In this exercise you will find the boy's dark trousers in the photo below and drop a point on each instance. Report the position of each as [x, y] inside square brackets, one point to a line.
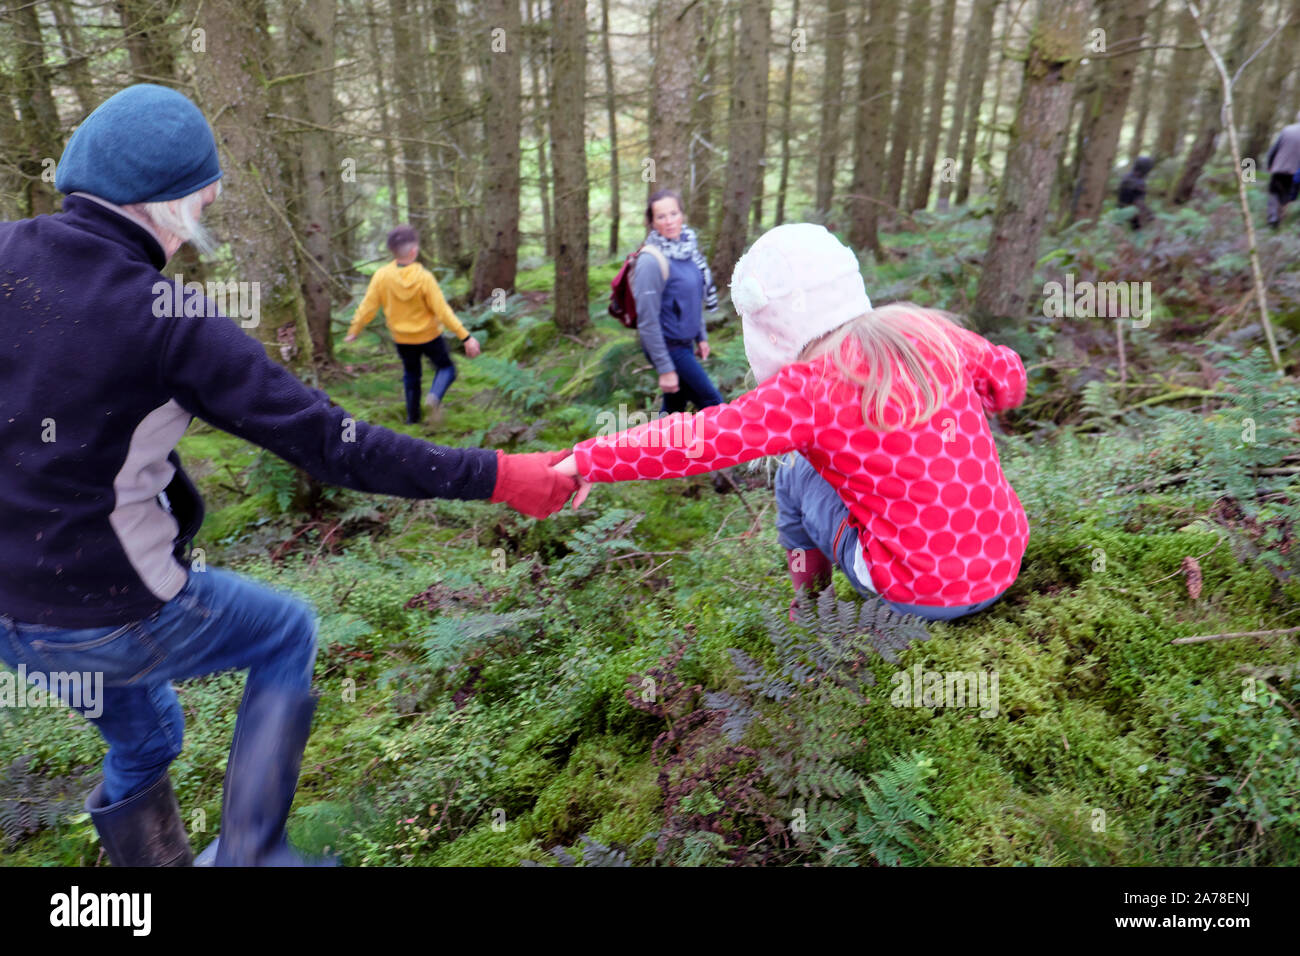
[1281, 191]
[411, 356]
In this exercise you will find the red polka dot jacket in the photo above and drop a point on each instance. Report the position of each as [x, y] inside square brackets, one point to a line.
[938, 521]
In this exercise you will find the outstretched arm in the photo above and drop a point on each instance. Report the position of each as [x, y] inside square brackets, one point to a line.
[366, 311]
[776, 417]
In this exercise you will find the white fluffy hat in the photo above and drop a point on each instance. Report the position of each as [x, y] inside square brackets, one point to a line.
[796, 283]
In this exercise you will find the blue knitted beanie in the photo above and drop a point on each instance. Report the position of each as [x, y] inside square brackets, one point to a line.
[144, 144]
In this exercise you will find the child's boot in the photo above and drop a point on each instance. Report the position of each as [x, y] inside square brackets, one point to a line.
[810, 571]
[412, 402]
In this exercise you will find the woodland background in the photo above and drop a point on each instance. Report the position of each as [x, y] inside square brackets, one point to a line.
[483, 673]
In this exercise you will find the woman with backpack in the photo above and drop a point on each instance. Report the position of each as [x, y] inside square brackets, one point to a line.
[672, 285]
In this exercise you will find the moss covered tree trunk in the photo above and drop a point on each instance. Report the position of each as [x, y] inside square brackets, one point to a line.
[1036, 142]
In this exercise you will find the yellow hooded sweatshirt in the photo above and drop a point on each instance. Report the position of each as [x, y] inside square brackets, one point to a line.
[413, 304]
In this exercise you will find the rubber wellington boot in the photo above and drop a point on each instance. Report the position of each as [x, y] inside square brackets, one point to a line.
[261, 776]
[810, 571]
[144, 829]
[412, 403]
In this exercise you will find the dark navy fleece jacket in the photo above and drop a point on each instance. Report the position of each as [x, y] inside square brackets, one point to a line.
[95, 392]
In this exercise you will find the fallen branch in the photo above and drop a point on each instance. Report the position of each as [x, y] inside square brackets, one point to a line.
[1202, 638]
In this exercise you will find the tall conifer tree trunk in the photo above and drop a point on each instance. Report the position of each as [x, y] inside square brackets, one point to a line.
[568, 150]
[311, 45]
[411, 113]
[671, 91]
[1180, 85]
[612, 122]
[449, 214]
[501, 45]
[787, 97]
[1104, 111]
[836, 33]
[1145, 84]
[40, 118]
[231, 77]
[745, 137]
[1036, 143]
[920, 197]
[984, 14]
[871, 126]
[1211, 120]
[961, 101]
[911, 99]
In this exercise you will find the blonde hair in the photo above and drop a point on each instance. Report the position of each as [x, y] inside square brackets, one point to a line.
[919, 341]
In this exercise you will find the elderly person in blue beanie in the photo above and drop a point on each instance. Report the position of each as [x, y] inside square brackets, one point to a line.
[97, 386]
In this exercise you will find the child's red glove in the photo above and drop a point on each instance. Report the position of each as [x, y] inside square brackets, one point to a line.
[530, 485]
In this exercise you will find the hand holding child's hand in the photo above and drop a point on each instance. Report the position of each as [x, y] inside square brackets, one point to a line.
[569, 468]
[531, 484]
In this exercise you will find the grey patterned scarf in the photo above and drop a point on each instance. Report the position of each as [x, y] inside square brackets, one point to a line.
[688, 247]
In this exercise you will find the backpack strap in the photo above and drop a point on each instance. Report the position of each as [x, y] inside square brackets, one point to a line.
[663, 260]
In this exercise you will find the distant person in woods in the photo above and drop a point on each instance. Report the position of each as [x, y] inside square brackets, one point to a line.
[99, 379]
[416, 313]
[896, 479]
[1133, 190]
[672, 286]
[1284, 171]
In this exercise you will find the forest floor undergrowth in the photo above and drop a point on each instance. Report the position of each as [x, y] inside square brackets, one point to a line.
[620, 684]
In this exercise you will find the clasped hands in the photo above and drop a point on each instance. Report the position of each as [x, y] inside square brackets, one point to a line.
[539, 483]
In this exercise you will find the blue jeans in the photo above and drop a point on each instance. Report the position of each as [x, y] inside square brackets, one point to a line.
[412, 368]
[693, 383]
[809, 513]
[219, 621]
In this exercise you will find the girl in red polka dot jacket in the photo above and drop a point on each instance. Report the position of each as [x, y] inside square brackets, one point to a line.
[895, 476]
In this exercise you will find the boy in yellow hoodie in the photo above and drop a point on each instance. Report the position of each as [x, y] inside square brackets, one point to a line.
[416, 313]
